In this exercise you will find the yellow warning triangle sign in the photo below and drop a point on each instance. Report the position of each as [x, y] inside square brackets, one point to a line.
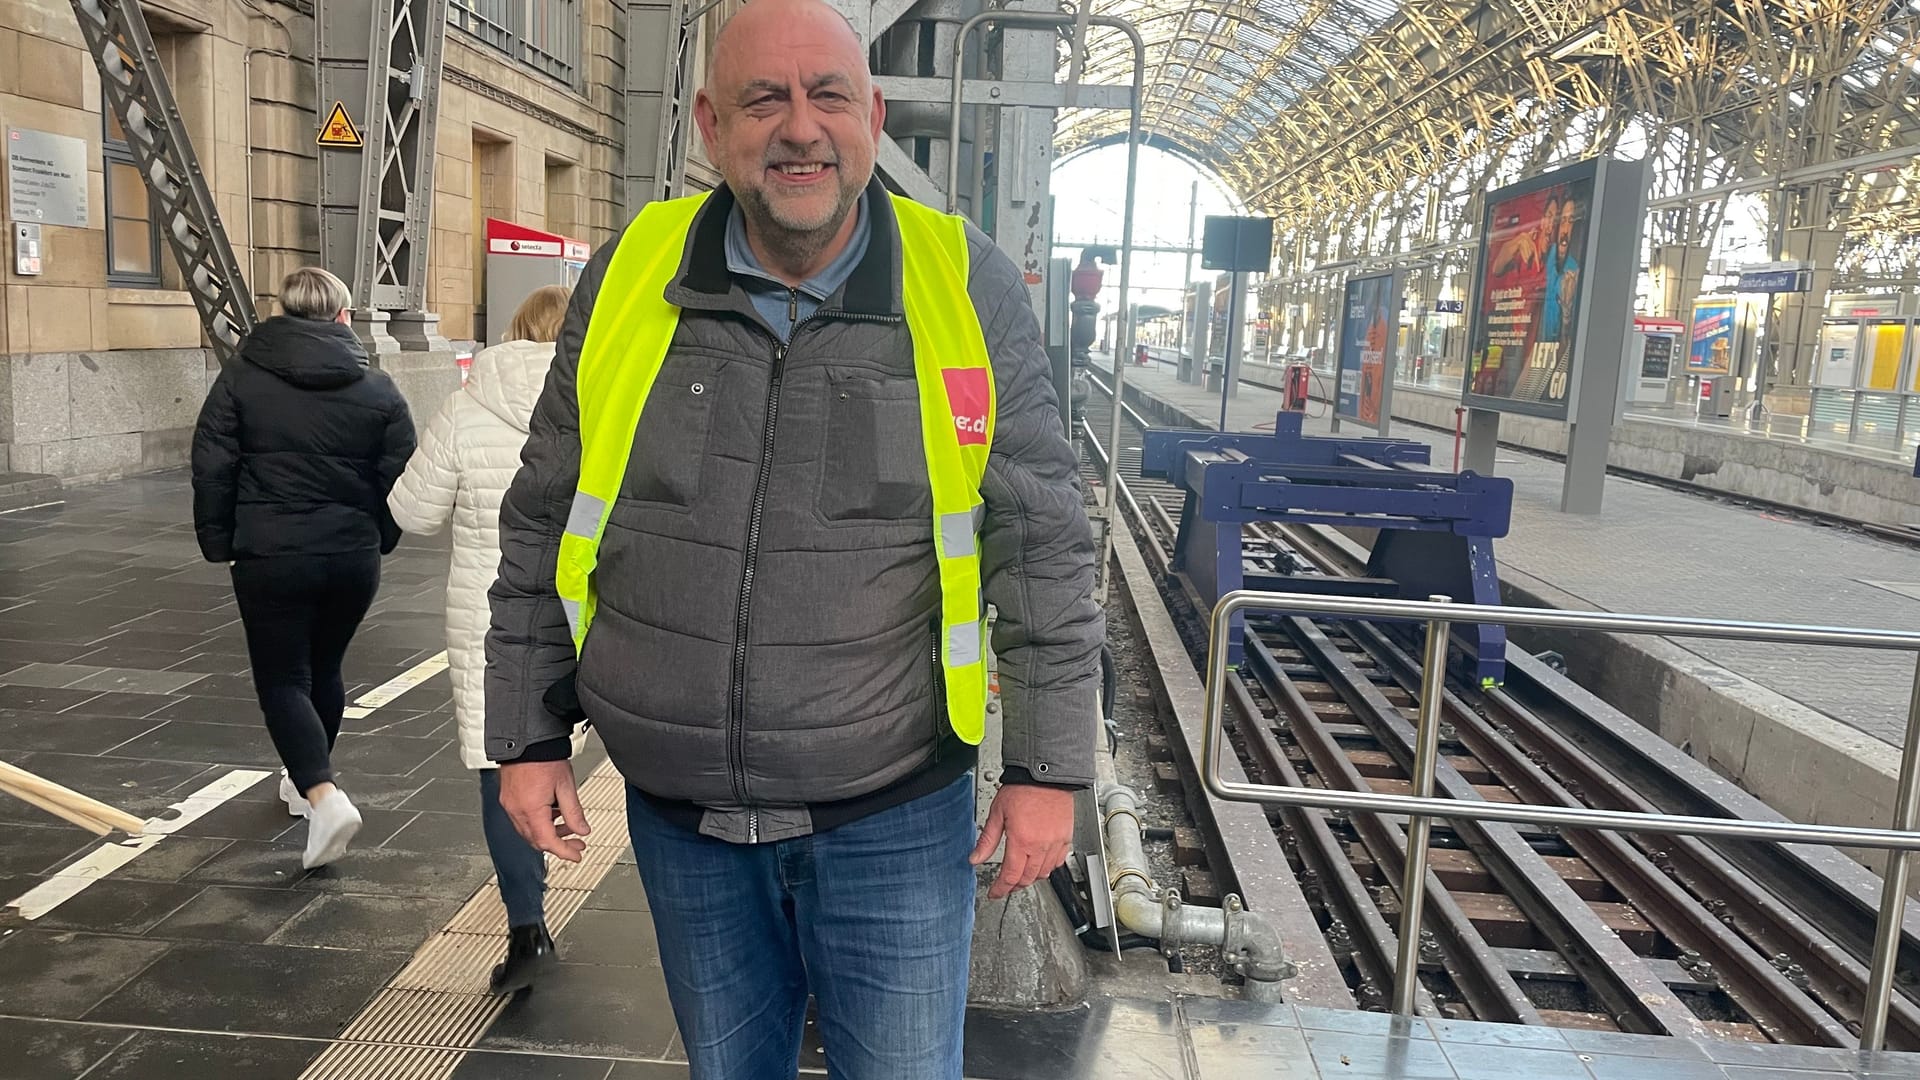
[338, 131]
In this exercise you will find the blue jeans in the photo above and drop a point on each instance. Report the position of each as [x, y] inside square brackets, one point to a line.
[875, 918]
[521, 866]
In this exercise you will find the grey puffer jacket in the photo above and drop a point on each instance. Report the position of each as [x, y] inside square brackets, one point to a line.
[758, 662]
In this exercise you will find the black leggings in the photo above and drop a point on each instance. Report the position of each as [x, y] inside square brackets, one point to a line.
[300, 611]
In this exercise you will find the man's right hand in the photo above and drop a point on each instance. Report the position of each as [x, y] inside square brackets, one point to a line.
[532, 792]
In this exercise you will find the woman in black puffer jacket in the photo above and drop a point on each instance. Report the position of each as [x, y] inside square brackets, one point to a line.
[297, 446]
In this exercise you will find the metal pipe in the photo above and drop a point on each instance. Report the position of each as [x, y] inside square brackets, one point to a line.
[1426, 756]
[1213, 736]
[1248, 943]
[1893, 888]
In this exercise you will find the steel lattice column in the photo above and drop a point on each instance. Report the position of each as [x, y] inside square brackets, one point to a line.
[382, 60]
[135, 88]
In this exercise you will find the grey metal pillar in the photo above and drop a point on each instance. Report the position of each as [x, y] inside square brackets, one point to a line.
[1023, 152]
[659, 101]
[381, 59]
[134, 86]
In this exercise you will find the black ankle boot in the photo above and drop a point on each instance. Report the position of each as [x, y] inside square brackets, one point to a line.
[530, 953]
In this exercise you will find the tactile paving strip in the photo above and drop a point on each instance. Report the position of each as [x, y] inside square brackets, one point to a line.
[420, 1026]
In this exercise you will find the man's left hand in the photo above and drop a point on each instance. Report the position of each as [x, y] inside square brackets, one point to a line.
[1037, 821]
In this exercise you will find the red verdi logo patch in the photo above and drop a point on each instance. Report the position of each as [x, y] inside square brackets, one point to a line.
[967, 395]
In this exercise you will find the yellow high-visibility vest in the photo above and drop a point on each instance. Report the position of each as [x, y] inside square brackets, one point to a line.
[626, 343]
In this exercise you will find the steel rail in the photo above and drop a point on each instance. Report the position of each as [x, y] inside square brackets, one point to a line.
[1901, 839]
[1485, 984]
[1763, 991]
[1637, 999]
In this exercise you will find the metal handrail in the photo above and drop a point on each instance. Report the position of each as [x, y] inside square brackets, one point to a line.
[1438, 614]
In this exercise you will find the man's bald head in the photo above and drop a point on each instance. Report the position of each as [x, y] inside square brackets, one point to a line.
[790, 115]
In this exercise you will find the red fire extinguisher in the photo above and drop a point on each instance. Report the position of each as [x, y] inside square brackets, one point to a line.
[1296, 394]
[1140, 355]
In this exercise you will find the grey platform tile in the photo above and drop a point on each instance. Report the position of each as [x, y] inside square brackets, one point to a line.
[54, 676]
[30, 850]
[42, 699]
[1773, 1056]
[1065, 1046]
[47, 1050]
[168, 1055]
[385, 754]
[445, 796]
[396, 923]
[244, 820]
[1355, 1022]
[1478, 1061]
[1234, 1010]
[123, 705]
[482, 1065]
[120, 906]
[170, 642]
[22, 652]
[1641, 1046]
[455, 834]
[236, 711]
[173, 859]
[61, 975]
[648, 1070]
[380, 872]
[1234, 1051]
[620, 890]
[623, 938]
[216, 744]
[1741, 1072]
[260, 989]
[254, 864]
[133, 681]
[592, 1011]
[197, 623]
[434, 725]
[1378, 1057]
[232, 913]
[1458, 1032]
[22, 732]
[377, 790]
[132, 656]
[1610, 1067]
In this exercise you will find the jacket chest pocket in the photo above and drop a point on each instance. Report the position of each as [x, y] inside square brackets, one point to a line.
[873, 461]
[670, 445]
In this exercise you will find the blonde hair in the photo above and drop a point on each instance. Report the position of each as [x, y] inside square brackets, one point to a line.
[540, 315]
[313, 293]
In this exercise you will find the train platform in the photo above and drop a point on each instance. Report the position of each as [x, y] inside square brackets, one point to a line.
[209, 952]
[1807, 731]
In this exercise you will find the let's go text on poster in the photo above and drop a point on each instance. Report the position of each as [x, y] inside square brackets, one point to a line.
[1368, 327]
[1525, 327]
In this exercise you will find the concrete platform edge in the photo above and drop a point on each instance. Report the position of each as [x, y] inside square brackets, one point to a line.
[1801, 762]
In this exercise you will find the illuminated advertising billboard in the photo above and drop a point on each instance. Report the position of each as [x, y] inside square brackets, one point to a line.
[1524, 325]
[1369, 329]
[1711, 351]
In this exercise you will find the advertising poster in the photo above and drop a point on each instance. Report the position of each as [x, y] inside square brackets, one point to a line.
[1711, 352]
[1369, 324]
[1524, 327]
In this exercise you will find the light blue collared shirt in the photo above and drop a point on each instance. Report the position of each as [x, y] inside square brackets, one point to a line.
[784, 306]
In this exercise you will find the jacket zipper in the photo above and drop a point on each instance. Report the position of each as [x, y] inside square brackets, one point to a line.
[737, 695]
[939, 694]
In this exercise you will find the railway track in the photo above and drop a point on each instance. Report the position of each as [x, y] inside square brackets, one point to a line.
[1524, 924]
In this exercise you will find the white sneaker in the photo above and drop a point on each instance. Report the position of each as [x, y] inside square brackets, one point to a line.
[297, 805]
[330, 827]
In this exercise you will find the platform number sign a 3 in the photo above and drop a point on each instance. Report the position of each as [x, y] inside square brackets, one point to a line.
[339, 132]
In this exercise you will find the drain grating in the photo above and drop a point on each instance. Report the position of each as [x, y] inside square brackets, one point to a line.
[420, 1026]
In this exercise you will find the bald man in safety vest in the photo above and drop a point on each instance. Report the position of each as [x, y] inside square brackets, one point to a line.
[798, 435]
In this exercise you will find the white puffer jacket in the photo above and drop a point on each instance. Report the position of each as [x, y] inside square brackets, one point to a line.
[461, 470]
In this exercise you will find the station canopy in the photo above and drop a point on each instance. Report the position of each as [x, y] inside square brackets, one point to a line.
[1308, 106]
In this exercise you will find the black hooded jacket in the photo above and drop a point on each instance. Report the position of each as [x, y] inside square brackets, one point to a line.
[297, 446]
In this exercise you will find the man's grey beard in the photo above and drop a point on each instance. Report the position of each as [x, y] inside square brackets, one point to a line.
[795, 247]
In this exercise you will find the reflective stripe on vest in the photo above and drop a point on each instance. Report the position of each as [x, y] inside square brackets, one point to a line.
[626, 343]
